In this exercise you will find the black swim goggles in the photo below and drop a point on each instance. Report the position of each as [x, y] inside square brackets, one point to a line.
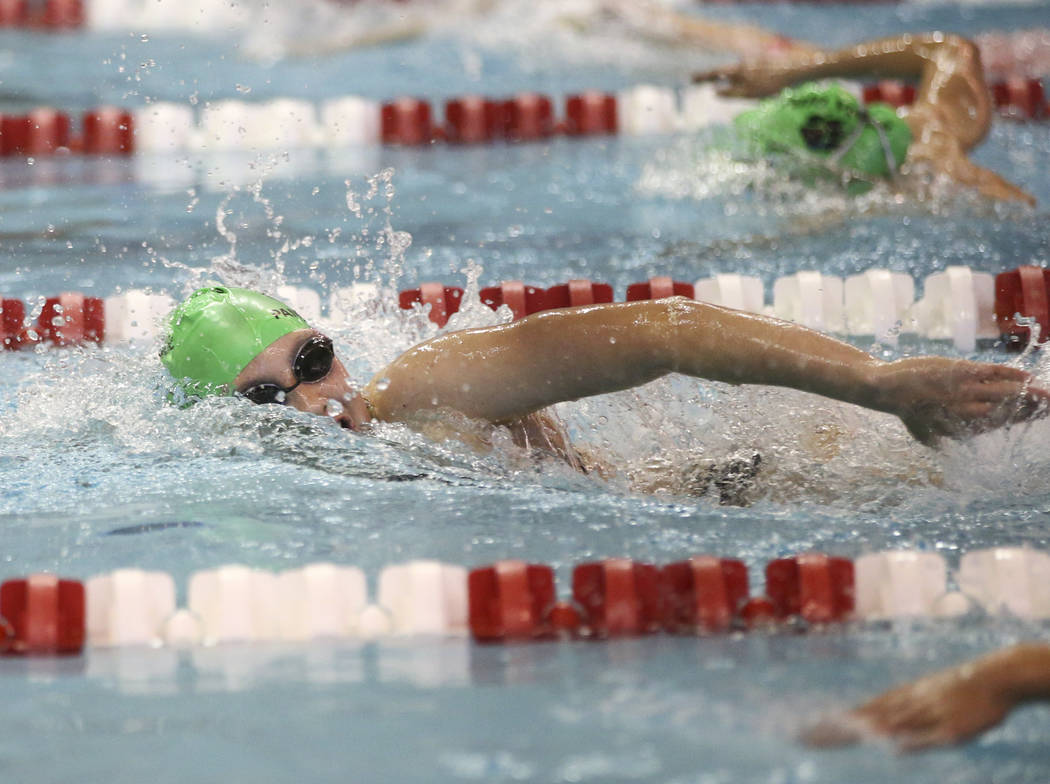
[312, 363]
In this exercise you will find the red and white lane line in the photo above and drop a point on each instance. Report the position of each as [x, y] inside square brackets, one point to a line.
[513, 600]
[288, 123]
[958, 305]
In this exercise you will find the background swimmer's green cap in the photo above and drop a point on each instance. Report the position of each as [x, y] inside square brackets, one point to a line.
[822, 119]
[217, 331]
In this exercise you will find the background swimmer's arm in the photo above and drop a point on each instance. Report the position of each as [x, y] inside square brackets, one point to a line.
[943, 153]
[952, 111]
[950, 706]
[655, 20]
[503, 373]
[948, 67]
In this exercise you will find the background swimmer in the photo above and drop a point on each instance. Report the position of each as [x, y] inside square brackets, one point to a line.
[228, 340]
[952, 110]
[336, 27]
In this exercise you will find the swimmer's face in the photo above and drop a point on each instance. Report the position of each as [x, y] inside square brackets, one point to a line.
[314, 391]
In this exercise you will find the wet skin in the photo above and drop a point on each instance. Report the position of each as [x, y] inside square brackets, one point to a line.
[950, 706]
[507, 374]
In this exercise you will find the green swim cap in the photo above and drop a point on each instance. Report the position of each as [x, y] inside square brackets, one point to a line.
[812, 122]
[217, 331]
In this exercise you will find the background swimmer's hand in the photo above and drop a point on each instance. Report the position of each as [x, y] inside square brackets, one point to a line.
[755, 79]
[937, 396]
[951, 706]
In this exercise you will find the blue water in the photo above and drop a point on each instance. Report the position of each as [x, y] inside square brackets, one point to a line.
[88, 445]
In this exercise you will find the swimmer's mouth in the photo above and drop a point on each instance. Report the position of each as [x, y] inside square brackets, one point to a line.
[344, 422]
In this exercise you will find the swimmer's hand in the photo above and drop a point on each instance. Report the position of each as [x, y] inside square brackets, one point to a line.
[937, 397]
[748, 79]
[947, 707]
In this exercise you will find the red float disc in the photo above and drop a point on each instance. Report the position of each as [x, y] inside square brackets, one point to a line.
[406, 121]
[108, 131]
[45, 613]
[659, 288]
[1022, 291]
[618, 596]
[13, 13]
[471, 120]
[590, 113]
[814, 587]
[578, 292]
[12, 322]
[63, 13]
[527, 116]
[47, 132]
[521, 299]
[703, 593]
[510, 600]
[14, 134]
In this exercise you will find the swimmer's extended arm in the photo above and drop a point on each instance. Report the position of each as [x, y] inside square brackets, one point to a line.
[952, 111]
[505, 372]
[950, 706]
[948, 68]
[656, 20]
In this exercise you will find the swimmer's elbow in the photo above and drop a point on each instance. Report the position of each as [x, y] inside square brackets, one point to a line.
[963, 49]
[962, 45]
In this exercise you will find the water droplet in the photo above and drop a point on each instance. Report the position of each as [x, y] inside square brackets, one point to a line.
[243, 89]
[383, 384]
[612, 340]
[333, 407]
[281, 396]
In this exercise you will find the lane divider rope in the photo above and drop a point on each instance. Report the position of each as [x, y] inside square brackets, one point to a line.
[960, 305]
[513, 600]
[287, 123]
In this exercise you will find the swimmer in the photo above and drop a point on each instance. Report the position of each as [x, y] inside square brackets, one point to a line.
[951, 114]
[370, 25]
[952, 706]
[230, 341]
[659, 22]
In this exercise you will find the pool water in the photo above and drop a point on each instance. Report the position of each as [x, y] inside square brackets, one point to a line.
[98, 472]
